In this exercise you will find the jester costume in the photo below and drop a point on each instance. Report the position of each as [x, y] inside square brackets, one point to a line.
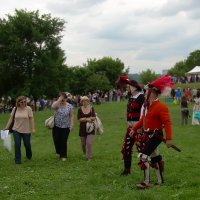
[135, 102]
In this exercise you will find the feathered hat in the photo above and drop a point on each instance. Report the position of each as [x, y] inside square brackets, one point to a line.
[162, 85]
[123, 80]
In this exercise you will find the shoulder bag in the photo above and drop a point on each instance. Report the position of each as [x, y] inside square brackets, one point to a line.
[49, 123]
[90, 126]
[10, 128]
[98, 126]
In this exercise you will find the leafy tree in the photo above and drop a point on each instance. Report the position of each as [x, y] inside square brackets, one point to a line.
[182, 67]
[78, 76]
[179, 69]
[108, 67]
[192, 60]
[83, 81]
[31, 61]
[98, 82]
[147, 76]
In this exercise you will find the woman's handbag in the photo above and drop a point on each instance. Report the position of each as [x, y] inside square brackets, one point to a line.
[7, 142]
[10, 128]
[98, 126]
[49, 123]
[90, 126]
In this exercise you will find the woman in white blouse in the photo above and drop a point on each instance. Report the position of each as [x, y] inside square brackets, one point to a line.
[64, 121]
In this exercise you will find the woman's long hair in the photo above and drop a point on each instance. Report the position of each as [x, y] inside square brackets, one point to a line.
[20, 98]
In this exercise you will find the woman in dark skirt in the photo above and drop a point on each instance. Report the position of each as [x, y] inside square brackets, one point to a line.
[86, 114]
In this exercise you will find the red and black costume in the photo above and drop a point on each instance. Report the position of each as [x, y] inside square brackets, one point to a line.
[133, 115]
[135, 102]
[155, 118]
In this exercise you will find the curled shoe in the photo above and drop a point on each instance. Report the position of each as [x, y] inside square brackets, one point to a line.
[142, 185]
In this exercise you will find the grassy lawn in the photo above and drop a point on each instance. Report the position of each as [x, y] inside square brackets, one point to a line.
[46, 177]
[188, 85]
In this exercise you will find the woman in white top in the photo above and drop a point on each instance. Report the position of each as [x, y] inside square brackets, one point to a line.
[64, 122]
[23, 121]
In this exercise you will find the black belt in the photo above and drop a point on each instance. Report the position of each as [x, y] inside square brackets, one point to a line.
[150, 132]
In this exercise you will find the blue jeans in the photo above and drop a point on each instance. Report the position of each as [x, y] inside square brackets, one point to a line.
[27, 144]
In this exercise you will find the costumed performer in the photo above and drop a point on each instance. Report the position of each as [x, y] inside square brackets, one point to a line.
[155, 117]
[135, 102]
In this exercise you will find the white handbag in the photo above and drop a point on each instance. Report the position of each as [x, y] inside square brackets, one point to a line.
[49, 123]
[98, 126]
[7, 143]
[90, 126]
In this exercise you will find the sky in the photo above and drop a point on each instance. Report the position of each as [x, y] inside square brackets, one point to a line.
[143, 34]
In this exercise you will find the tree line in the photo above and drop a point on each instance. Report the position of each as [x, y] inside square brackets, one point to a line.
[182, 67]
[32, 62]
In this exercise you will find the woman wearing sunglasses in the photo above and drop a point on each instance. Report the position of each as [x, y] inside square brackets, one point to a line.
[23, 121]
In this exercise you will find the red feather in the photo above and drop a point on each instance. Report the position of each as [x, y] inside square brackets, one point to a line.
[121, 81]
[163, 83]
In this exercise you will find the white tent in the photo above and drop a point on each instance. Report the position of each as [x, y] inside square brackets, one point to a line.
[195, 70]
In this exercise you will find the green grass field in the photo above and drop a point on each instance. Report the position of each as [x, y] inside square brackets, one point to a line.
[46, 177]
[188, 85]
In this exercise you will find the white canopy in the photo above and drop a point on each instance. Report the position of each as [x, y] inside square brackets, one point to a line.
[195, 70]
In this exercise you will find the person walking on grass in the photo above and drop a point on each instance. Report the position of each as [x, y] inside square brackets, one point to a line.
[135, 102]
[85, 114]
[184, 111]
[64, 122]
[178, 95]
[23, 127]
[196, 109]
[154, 118]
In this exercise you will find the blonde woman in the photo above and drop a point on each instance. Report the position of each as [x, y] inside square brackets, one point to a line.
[23, 121]
[86, 114]
[64, 122]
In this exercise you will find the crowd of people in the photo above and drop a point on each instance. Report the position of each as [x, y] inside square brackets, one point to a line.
[147, 121]
[184, 97]
[41, 104]
[189, 93]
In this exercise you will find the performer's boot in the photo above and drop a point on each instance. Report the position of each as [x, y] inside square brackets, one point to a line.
[127, 168]
[127, 152]
[158, 164]
[145, 166]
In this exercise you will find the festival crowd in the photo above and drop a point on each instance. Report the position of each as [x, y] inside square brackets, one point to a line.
[148, 122]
